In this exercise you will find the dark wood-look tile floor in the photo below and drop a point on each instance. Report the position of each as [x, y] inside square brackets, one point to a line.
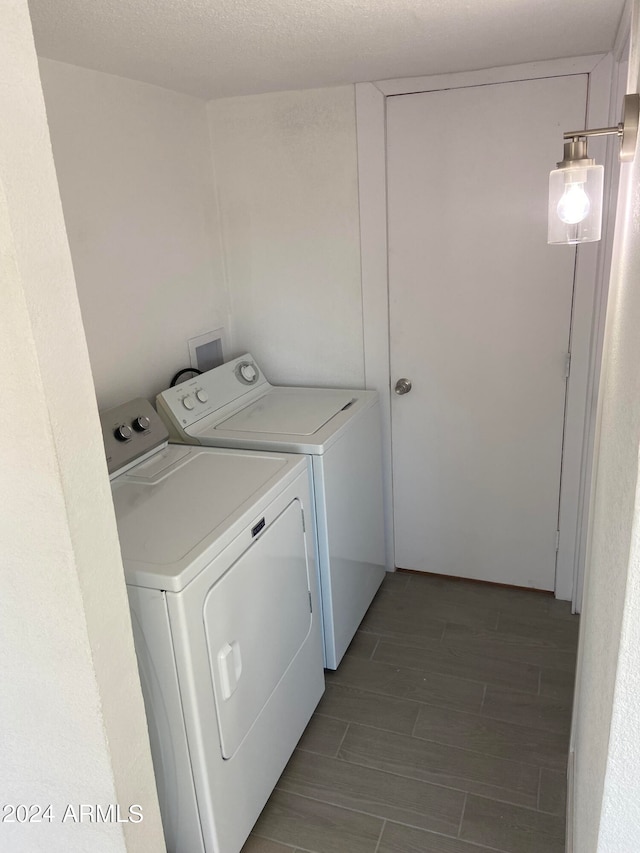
[444, 730]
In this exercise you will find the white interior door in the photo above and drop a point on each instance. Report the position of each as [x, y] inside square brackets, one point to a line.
[480, 315]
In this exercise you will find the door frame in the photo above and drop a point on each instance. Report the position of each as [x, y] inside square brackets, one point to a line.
[591, 279]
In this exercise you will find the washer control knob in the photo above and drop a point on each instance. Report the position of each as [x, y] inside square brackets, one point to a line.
[141, 423]
[202, 395]
[188, 403]
[123, 432]
[248, 372]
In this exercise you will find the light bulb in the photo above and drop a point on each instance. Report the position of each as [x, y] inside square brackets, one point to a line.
[574, 206]
[575, 203]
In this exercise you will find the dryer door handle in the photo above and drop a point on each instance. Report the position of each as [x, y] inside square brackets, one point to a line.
[229, 668]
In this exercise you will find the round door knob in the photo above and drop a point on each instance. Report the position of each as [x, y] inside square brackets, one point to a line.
[403, 386]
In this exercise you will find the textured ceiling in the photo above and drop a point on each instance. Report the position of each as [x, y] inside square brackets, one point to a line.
[218, 48]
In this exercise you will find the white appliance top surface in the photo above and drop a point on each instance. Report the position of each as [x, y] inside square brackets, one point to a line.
[225, 408]
[299, 411]
[179, 502]
[289, 420]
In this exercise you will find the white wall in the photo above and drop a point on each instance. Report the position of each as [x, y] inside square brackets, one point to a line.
[134, 169]
[72, 725]
[286, 176]
[606, 733]
[152, 239]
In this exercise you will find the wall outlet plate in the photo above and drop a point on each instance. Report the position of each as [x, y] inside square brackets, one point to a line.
[207, 351]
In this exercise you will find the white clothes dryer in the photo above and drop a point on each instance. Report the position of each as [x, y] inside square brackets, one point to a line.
[235, 406]
[225, 607]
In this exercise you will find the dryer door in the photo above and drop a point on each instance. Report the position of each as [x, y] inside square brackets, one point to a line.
[256, 617]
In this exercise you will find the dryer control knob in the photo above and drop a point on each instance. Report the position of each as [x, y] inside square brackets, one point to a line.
[141, 423]
[123, 432]
[202, 395]
[188, 403]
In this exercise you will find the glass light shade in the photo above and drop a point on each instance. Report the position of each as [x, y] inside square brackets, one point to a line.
[575, 203]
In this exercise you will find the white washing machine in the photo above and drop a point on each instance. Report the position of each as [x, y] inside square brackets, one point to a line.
[235, 406]
[225, 607]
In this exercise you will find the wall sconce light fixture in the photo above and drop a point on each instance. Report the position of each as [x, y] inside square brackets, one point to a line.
[575, 187]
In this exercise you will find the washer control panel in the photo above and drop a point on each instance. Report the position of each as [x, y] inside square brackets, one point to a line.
[130, 431]
[210, 392]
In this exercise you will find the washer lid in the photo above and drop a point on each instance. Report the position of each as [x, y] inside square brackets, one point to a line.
[299, 411]
[183, 499]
